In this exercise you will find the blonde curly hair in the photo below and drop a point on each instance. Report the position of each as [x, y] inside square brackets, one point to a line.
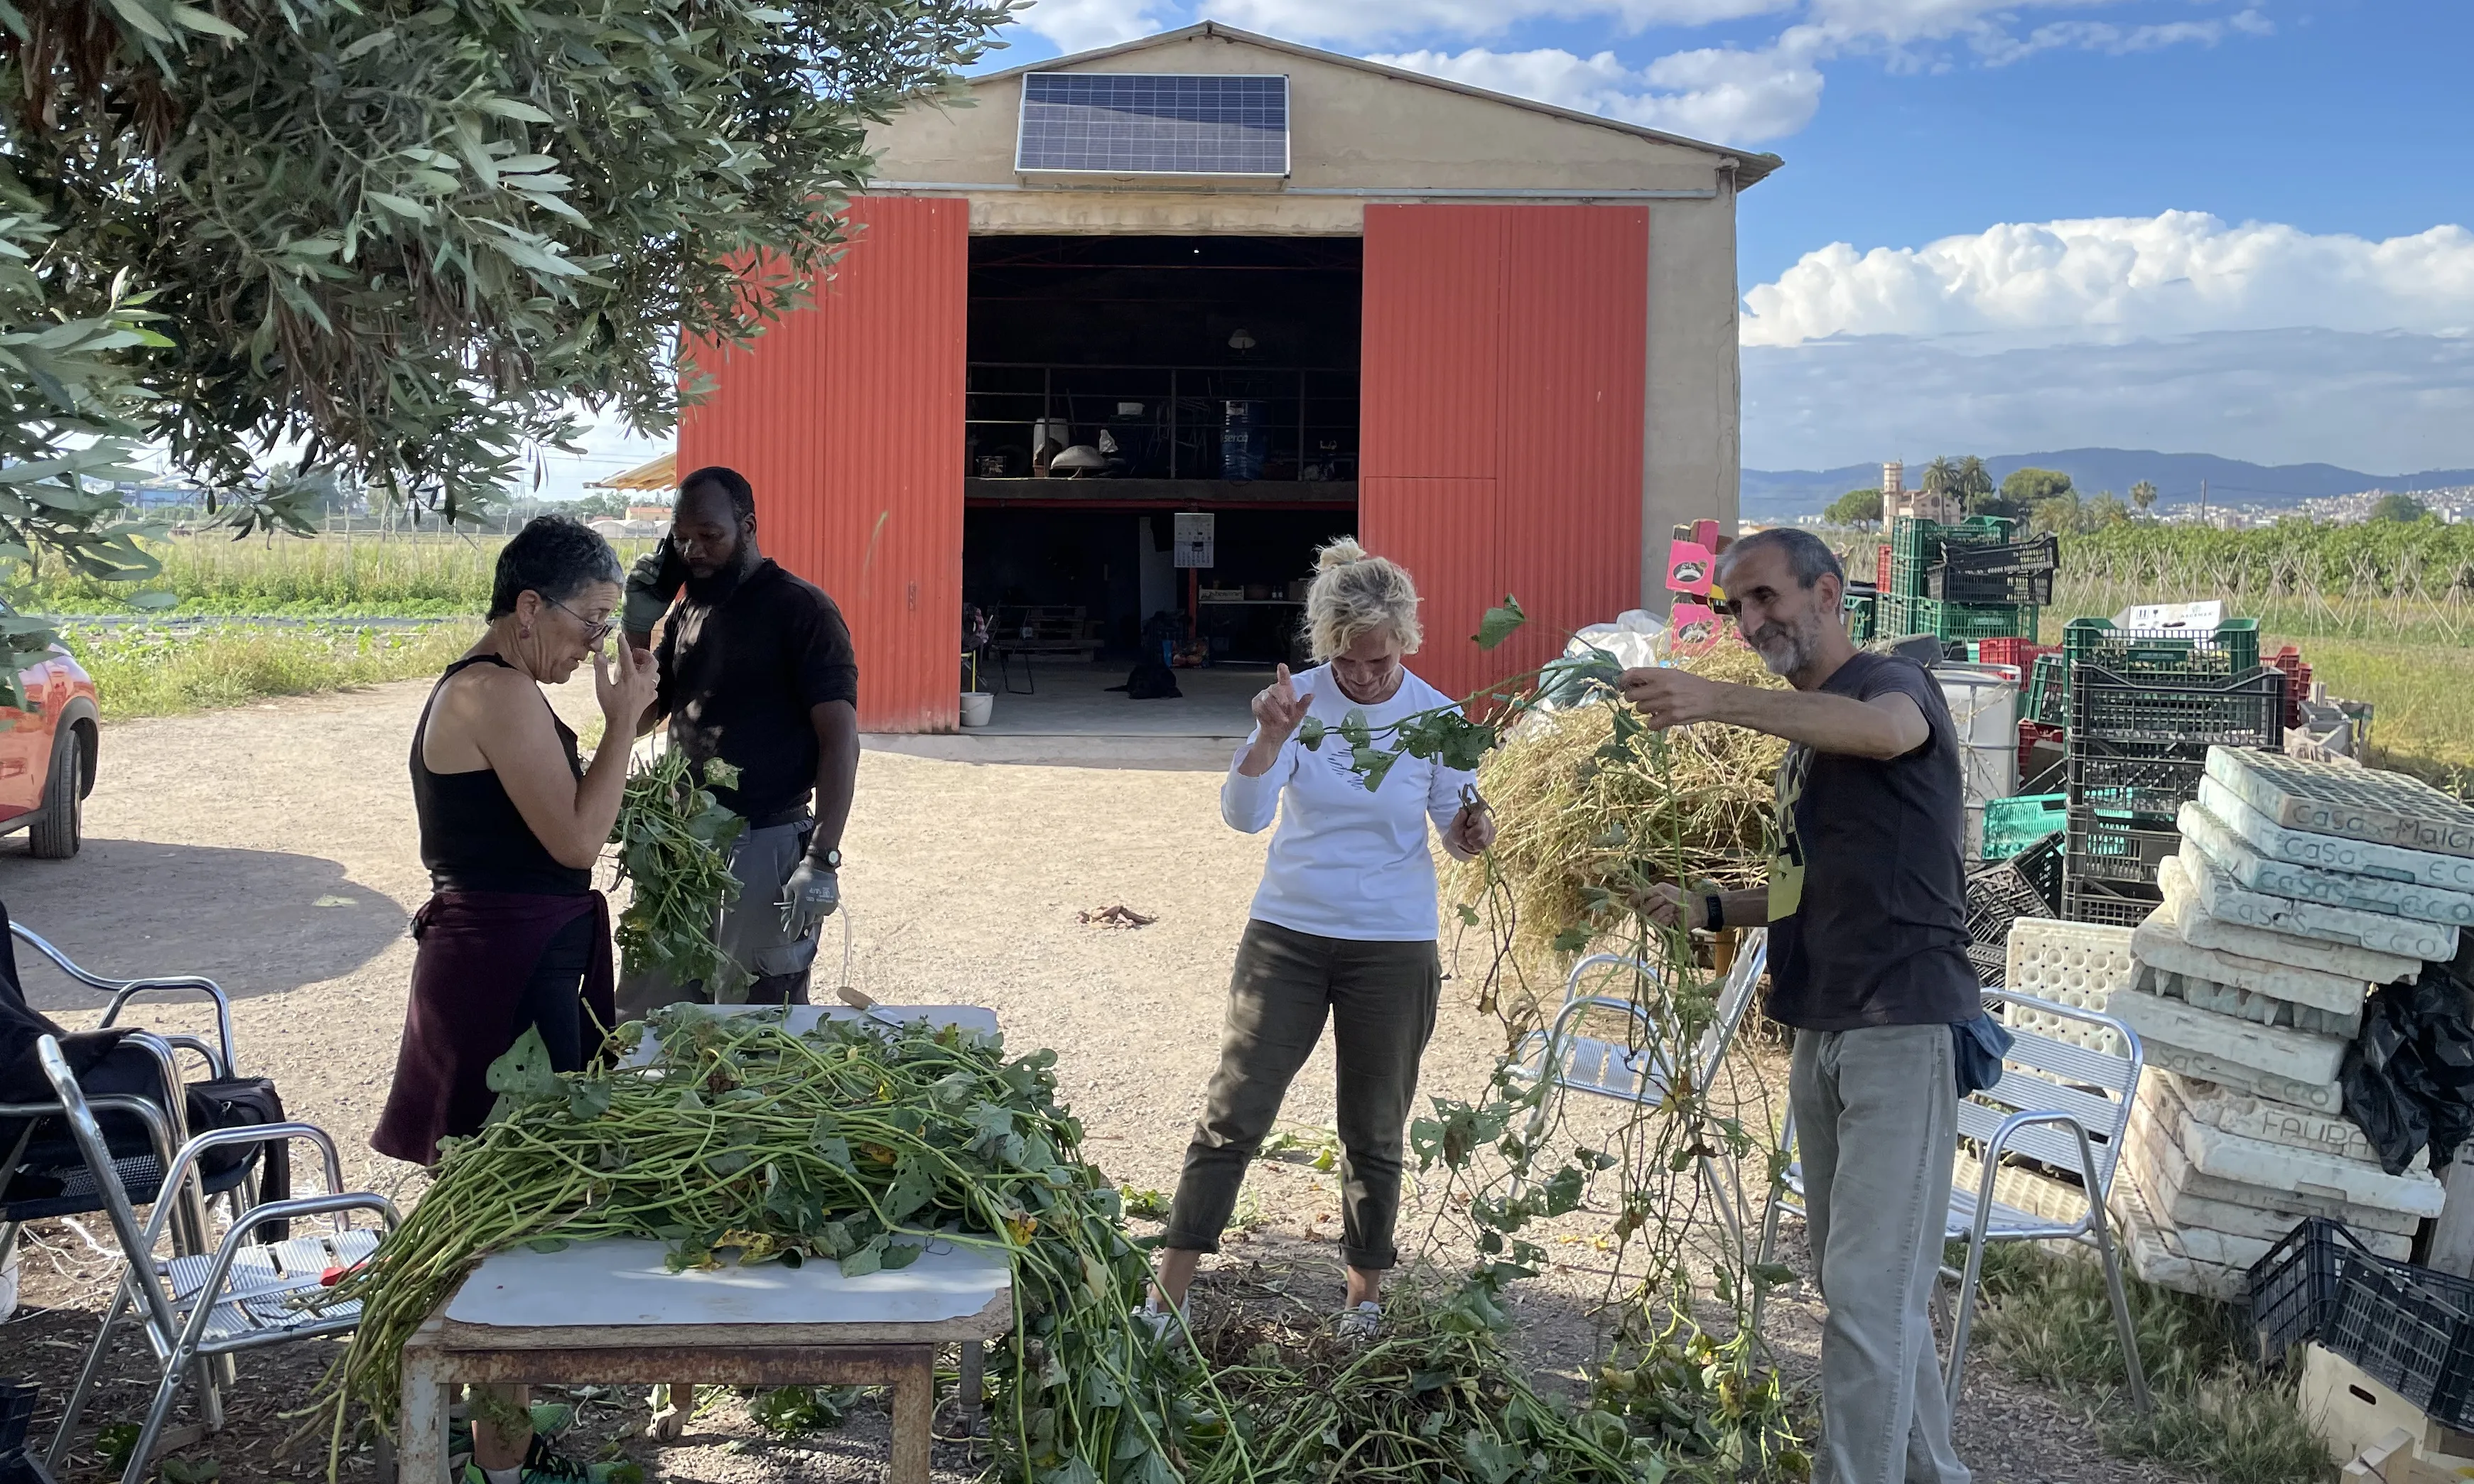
[1354, 595]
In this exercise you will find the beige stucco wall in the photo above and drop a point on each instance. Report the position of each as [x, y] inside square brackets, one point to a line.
[1364, 136]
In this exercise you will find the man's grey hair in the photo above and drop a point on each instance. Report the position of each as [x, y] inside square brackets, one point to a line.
[1807, 555]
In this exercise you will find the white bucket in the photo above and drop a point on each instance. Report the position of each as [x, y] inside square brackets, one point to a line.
[977, 706]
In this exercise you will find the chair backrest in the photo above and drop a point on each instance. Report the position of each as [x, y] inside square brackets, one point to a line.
[2043, 1074]
[137, 1242]
[1735, 995]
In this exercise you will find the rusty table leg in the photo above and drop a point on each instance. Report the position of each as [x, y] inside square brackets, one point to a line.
[420, 1445]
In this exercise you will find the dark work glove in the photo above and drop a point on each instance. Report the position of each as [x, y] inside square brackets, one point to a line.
[651, 584]
[809, 897]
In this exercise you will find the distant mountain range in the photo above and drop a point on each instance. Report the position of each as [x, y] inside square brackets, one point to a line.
[1784, 493]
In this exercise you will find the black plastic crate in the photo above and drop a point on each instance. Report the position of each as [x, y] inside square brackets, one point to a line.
[1997, 897]
[1991, 963]
[2187, 710]
[2293, 1290]
[2041, 864]
[2412, 1327]
[2118, 846]
[2140, 788]
[2120, 904]
[1952, 585]
[2036, 554]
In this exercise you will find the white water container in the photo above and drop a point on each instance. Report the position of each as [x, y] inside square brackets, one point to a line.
[1984, 712]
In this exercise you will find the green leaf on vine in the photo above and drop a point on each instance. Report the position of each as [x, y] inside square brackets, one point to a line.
[1311, 732]
[1571, 940]
[1500, 623]
[1469, 915]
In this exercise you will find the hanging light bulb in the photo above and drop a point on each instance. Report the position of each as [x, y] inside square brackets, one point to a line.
[1242, 341]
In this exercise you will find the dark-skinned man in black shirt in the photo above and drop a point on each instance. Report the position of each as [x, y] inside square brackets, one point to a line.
[757, 671]
[1867, 917]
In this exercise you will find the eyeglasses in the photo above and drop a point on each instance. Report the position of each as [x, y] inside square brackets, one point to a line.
[594, 633]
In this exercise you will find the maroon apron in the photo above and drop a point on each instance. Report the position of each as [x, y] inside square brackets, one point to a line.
[476, 956]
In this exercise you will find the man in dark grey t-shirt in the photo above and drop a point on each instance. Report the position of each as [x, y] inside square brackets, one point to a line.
[1868, 960]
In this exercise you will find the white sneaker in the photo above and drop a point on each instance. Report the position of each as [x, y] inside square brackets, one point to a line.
[1361, 1324]
[1151, 1317]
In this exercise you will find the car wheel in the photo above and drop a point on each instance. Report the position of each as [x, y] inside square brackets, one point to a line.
[57, 830]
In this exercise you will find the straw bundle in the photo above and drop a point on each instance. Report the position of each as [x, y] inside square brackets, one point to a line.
[1577, 832]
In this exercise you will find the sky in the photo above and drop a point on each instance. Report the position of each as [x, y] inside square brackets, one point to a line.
[2231, 227]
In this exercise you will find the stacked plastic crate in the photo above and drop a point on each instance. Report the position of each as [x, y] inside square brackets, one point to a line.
[1968, 580]
[2297, 887]
[2145, 708]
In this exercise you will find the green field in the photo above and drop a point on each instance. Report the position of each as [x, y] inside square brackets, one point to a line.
[148, 670]
[437, 577]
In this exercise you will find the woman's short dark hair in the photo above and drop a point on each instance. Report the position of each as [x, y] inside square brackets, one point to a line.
[555, 555]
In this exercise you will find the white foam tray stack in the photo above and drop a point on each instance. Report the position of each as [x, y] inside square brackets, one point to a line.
[2245, 865]
[2332, 852]
[2364, 804]
[2212, 1178]
[2080, 964]
[2343, 960]
[2221, 897]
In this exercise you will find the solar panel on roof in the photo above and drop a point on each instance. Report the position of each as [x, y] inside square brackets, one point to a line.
[1122, 123]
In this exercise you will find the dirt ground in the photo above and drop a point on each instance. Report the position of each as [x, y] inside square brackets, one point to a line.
[272, 848]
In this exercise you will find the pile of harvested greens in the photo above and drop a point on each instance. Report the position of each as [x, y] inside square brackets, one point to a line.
[852, 1143]
[673, 841]
[858, 1144]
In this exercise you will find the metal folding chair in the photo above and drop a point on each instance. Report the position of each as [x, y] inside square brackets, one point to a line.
[165, 1124]
[245, 1295]
[1633, 1070]
[2064, 1104]
[124, 990]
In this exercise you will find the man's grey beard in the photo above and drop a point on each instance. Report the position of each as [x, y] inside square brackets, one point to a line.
[1785, 648]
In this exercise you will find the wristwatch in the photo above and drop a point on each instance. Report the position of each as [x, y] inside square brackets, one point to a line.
[831, 859]
[1714, 912]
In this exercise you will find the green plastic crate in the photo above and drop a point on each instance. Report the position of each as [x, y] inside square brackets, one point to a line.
[2231, 648]
[1861, 611]
[1960, 621]
[2013, 824]
[1917, 540]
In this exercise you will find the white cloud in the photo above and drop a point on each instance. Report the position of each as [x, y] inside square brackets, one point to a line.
[1081, 25]
[1999, 48]
[2115, 278]
[1718, 93]
[2390, 402]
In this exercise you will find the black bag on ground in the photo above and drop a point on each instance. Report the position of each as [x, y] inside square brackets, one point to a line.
[1151, 680]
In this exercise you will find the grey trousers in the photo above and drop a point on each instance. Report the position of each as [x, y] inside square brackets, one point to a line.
[1381, 1000]
[750, 930]
[1876, 1118]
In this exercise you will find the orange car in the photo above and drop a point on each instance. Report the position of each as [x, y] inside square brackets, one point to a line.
[48, 756]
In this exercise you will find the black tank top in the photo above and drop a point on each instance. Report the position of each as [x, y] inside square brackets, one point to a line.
[472, 836]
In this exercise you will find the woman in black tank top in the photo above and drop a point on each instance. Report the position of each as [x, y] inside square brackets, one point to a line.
[514, 938]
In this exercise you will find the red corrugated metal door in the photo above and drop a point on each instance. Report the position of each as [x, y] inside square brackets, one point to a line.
[847, 418]
[1504, 356]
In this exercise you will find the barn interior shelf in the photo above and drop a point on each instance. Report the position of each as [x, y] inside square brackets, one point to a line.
[1240, 422]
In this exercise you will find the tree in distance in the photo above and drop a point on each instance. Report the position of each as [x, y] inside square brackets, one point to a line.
[2027, 488]
[2403, 509]
[2143, 495]
[1856, 507]
[2106, 509]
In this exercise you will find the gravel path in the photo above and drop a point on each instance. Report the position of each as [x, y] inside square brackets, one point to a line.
[271, 847]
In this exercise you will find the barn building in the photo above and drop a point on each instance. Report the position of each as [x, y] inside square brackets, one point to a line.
[1215, 285]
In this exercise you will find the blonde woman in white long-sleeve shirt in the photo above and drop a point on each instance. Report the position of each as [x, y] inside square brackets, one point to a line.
[1344, 927]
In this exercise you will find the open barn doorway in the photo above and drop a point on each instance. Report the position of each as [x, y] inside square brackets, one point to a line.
[1115, 384]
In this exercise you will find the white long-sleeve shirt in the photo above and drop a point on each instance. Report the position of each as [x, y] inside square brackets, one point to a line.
[1348, 861]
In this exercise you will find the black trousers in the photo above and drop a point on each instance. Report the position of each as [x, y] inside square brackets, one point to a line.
[1381, 999]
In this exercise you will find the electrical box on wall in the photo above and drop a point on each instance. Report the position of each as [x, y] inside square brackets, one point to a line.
[1195, 538]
